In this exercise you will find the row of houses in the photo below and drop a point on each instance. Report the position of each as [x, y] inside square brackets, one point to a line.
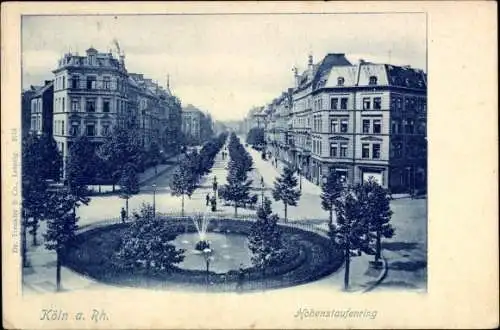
[361, 120]
[91, 94]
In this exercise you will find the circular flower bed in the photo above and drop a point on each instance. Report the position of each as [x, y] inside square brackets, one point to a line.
[308, 257]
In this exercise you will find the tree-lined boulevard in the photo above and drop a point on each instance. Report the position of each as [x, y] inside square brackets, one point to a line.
[361, 218]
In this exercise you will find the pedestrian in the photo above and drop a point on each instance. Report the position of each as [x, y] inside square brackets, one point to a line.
[207, 199]
[213, 201]
[123, 214]
[241, 279]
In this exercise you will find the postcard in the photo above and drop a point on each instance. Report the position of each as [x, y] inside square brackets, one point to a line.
[249, 165]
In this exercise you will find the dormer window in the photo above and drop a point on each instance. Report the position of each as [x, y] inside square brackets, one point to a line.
[340, 81]
[373, 80]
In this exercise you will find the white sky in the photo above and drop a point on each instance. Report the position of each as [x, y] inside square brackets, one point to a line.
[224, 64]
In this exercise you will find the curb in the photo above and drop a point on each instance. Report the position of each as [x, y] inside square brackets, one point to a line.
[381, 277]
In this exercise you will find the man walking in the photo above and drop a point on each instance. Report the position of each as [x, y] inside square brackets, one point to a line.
[123, 214]
[207, 199]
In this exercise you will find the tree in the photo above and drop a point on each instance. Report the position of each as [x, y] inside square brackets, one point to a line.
[146, 246]
[34, 190]
[350, 232]
[264, 239]
[285, 189]
[255, 136]
[129, 183]
[331, 191]
[376, 212]
[61, 226]
[81, 169]
[50, 158]
[237, 188]
[154, 154]
[122, 147]
[183, 183]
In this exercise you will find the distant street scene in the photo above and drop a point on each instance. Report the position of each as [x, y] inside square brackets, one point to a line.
[170, 168]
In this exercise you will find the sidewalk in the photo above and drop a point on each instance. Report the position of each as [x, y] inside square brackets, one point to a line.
[149, 173]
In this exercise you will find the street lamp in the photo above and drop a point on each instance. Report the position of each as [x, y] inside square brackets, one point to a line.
[262, 190]
[300, 177]
[207, 253]
[154, 198]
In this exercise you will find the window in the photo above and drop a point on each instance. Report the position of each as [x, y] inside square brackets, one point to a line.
[334, 150]
[373, 80]
[90, 130]
[91, 82]
[75, 82]
[90, 106]
[63, 82]
[366, 126]
[377, 126]
[334, 126]
[376, 151]
[398, 149]
[75, 104]
[343, 150]
[365, 150]
[409, 127]
[105, 130]
[334, 103]
[105, 106]
[343, 126]
[394, 127]
[399, 103]
[343, 103]
[340, 81]
[377, 103]
[62, 128]
[63, 104]
[366, 103]
[75, 129]
[107, 83]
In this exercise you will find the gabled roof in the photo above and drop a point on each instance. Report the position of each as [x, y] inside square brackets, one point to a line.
[43, 89]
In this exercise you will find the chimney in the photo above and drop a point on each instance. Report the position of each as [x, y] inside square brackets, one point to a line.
[361, 61]
[296, 76]
[47, 82]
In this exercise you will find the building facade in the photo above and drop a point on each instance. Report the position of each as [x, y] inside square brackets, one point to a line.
[197, 126]
[93, 94]
[42, 102]
[360, 120]
[90, 97]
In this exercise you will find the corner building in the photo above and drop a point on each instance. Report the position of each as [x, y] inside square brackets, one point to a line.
[363, 120]
[90, 97]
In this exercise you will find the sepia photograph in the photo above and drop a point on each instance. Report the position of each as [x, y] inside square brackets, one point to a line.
[222, 156]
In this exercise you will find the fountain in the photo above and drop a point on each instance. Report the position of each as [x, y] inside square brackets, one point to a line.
[201, 224]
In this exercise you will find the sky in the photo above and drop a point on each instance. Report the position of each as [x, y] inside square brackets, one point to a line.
[223, 64]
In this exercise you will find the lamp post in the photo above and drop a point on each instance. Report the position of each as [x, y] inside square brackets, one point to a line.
[207, 253]
[154, 198]
[262, 190]
[300, 177]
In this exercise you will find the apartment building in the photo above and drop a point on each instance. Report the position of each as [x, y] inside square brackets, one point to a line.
[361, 120]
[90, 97]
[41, 104]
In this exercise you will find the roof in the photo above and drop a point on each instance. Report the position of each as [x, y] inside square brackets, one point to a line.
[43, 89]
[406, 76]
